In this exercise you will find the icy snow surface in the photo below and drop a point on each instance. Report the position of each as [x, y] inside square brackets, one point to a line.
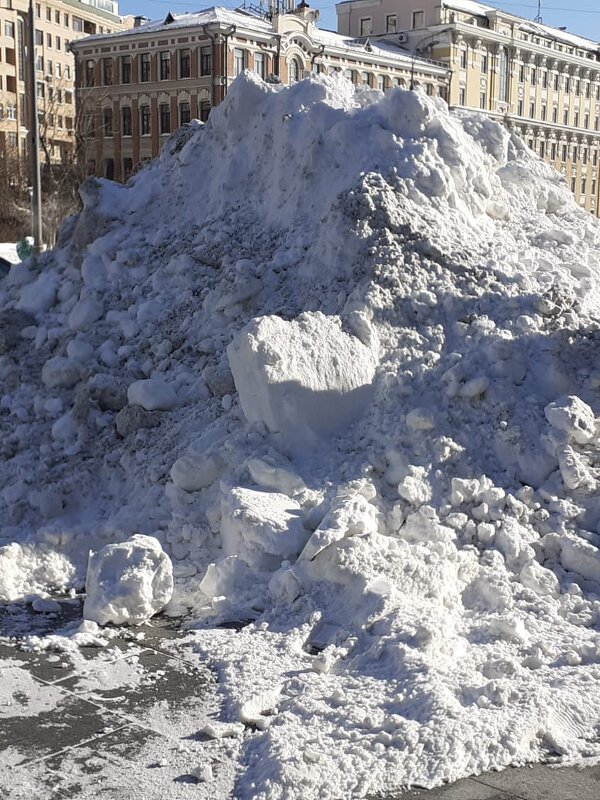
[378, 322]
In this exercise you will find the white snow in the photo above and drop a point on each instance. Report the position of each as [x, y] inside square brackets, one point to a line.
[378, 323]
[128, 583]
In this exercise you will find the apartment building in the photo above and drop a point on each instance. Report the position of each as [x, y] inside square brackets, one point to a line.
[136, 87]
[57, 24]
[542, 81]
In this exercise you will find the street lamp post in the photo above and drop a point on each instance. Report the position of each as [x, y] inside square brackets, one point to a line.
[36, 188]
[416, 52]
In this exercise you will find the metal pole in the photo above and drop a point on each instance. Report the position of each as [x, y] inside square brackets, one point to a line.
[34, 145]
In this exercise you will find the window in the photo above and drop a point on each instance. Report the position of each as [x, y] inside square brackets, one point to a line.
[49, 67]
[567, 84]
[204, 110]
[58, 43]
[544, 80]
[576, 122]
[107, 71]
[78, 24]
[69, 98]
[503, 90]
[89, 73]
[417, 20]
[462, 96]
[66, 20]
[522, 73]
[164, 118]
[575, 153]
[577, 88]
[41, 89]
[185, 64]
[57, 17]
[566, 116]
[58, 70]
[564, 153]
[294, 70]
[127, 168]
[381, 83]
[553, 151]
[532, 109]
[125, 69]
[556, 82]
[107, 121]
[542, 149]
[206, 61]
[49, 14]
[184, 113]
[145, 120]
[520, 108]
[533, 76]
[391, 23]
[595, 158]
[238, 61]
[38, 10]
[49, 40]
[484, 64]
[9, 29]
[39, 38]
[463, 58]
[259, 64]
[145, 67]
[39, 64]
[126, 121]
[584, 155]
[544, 112]
[583, 187]
[483, 100]
[366, 26]
[165, 65]
[365, 79]
[109, 168]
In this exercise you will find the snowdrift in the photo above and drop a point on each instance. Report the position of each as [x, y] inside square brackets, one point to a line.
[338, 353]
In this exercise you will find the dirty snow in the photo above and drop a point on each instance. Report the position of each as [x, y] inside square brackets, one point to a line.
[337, 353]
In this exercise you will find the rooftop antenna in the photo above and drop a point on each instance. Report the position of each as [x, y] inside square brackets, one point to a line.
[538, 17]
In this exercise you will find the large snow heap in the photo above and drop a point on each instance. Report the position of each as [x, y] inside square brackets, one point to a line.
[337, 352]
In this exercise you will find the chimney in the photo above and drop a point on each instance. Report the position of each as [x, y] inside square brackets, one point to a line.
[139, 21]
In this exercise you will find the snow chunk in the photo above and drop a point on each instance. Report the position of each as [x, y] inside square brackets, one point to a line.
[60, 372]
[128, 582]
[192, 473]
[303, 379]
[573, 417]
[84, 313]
[40, 295]
[262, 528]
[152, 394]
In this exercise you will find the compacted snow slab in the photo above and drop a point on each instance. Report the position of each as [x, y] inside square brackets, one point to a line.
[304, 379]
[359, 415]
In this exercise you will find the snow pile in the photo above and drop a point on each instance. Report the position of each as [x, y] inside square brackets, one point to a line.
[337, 353]
[128, 582]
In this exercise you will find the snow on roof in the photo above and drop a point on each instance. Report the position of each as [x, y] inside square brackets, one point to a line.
[371, 47]
[206, 16]
[479, 9]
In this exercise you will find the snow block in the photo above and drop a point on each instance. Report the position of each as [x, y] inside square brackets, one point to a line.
[262, 528]
[152, 394]
[128, 583]
[60, 372]
[305, 379]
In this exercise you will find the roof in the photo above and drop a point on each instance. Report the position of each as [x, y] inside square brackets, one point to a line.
[481, 10]
[370, 47]
[206, 16]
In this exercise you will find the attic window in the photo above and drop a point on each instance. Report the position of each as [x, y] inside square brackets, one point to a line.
[169, 19]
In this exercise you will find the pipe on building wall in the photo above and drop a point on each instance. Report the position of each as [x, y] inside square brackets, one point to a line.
[226, 35]
[210, 36]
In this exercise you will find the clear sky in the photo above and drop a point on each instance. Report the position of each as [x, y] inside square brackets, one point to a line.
[579, 16]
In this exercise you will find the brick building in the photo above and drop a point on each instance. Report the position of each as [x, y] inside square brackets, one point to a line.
[134, 88]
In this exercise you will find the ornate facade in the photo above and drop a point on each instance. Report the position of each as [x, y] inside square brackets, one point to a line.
[136, 87]
[543, 81]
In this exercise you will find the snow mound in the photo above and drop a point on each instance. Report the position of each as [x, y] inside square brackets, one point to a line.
[337, 353]
[128, 583]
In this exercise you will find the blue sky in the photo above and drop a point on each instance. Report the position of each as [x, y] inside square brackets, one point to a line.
[583, 17]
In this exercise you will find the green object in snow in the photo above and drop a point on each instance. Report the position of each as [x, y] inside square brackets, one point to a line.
[25, 248]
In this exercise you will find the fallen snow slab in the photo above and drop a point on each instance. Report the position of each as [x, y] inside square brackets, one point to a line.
[304, 379]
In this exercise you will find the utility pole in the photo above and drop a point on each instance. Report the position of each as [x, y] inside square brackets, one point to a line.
[34, 142]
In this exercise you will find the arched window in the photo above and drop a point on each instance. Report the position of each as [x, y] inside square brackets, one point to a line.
[348, 74]
[503, 93]
[294, 70]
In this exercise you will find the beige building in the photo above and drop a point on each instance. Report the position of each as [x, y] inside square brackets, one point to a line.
[543, 81]
[57, 24]
[136, 87]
